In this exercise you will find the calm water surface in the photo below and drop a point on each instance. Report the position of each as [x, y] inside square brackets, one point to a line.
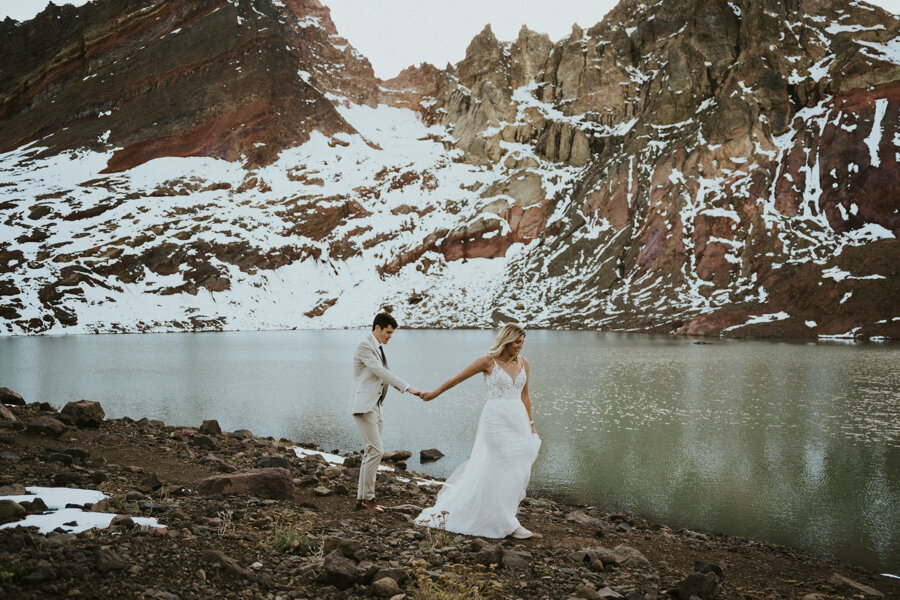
[793, 443]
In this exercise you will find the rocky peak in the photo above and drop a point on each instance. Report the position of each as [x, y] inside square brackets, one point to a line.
[529, 54]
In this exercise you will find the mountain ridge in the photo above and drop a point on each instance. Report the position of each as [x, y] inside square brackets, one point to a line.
[703, 168]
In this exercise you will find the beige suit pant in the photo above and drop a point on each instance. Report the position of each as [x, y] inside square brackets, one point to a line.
[370, 425]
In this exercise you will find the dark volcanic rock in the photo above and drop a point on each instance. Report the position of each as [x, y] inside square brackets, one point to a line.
[46, 426]
[7, 396]
[11, 511]
[430, 455]
[264, 483]
[210, 427]
[83, 413]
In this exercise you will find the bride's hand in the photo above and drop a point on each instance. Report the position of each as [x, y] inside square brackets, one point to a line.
[426, 396]
[533, 429]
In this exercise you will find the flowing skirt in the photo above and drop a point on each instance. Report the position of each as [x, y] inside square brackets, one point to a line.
[483, 494]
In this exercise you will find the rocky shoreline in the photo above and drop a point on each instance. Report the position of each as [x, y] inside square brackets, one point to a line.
[250, 517]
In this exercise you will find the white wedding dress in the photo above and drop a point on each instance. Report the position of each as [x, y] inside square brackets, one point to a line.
[483, 494]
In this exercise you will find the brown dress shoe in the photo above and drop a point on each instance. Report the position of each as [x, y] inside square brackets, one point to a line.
[368, 505]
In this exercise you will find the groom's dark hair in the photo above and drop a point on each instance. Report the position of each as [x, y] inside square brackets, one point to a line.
[383, 320]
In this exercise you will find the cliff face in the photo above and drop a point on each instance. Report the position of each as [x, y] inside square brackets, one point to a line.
[701, 167]
[235, 79]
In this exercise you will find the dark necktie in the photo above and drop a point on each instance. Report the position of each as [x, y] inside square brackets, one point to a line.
[384, 363]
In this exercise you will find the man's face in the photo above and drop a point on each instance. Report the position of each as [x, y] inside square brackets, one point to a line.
[383, 335]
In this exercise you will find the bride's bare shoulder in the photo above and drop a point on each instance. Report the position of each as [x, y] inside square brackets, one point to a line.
[484, 363]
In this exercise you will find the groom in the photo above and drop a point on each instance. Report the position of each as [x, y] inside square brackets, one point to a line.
[371, 378]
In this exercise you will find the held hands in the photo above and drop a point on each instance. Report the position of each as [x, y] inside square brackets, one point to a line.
[426, 396]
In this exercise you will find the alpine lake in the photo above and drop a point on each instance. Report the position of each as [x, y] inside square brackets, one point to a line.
[791, 442]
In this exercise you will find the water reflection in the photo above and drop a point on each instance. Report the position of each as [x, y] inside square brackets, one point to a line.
[794, 443]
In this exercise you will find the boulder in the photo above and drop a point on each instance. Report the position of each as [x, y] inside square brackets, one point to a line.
[393, 456]
[704, 586]
[7, 396]
[46, 426]
[430, 455]
[385, 587]
[626, 556]
[339, 571]
[11, 511]
[489, 555]
[7, 415]
[83, 413]
[210, 427]
[272, 483]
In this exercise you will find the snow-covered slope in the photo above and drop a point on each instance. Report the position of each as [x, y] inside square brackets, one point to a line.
[730, 172]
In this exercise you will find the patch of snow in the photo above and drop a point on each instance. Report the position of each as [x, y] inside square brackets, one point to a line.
[56, 500]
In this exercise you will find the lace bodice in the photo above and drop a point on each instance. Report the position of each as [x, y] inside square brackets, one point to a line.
[499, 384]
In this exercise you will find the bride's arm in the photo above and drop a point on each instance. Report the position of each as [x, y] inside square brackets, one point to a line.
[479, 365]
[526, 395]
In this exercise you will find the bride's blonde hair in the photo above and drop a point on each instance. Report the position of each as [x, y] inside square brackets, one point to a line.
[508, 333]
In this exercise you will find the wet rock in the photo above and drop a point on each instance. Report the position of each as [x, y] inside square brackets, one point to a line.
[273, 461]
[704, 586]
[46, 426]
[353, 462]
[230, 565]
[7, 396]
[393, 456]
[430, 455]
[845, 583]
[11, 511]
[339, 571]
[83, 413]
[210, 427]
[386, 587]
[623, 528]
[272, 483]
[10, 457]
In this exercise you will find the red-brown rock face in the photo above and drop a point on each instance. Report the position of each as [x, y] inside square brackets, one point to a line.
[716, 167]
[176, 78]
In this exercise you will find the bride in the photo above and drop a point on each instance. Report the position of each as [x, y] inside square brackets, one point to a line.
[483, 494]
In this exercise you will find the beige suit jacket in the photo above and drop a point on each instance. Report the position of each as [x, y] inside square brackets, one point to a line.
[370, 377]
